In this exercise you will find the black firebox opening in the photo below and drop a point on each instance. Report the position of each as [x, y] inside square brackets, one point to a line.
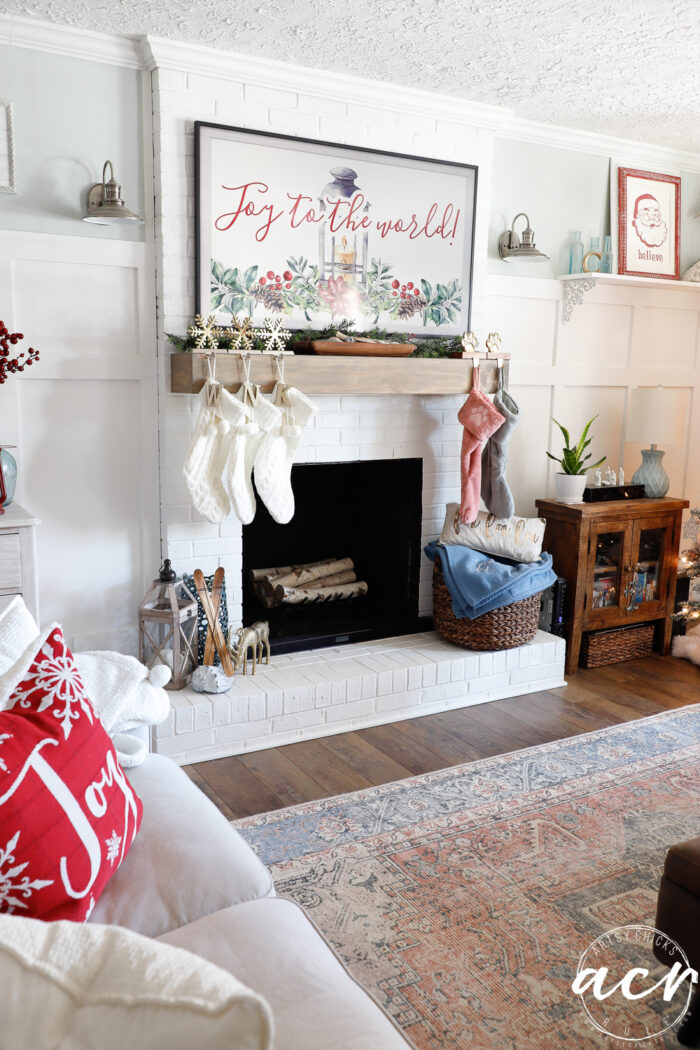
[369, 511]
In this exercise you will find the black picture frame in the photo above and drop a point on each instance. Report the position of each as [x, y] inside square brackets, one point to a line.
[437, 235]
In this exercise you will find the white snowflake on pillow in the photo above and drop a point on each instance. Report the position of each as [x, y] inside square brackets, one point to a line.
[12, 887]
[57, 678]
[113, 844]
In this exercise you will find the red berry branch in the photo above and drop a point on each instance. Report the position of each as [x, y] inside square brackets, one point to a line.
[10, 365]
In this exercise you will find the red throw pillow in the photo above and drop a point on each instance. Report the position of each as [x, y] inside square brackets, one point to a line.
[68, 815]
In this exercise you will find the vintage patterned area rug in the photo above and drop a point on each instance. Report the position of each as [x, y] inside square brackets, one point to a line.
[463, 899]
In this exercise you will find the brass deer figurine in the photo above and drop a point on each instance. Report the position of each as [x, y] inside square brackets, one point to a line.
[242, 639]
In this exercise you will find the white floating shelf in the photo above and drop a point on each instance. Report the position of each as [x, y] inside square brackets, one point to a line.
[575, 286]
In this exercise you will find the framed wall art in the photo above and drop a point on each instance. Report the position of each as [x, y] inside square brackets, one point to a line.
[648, 214]
[318, 233]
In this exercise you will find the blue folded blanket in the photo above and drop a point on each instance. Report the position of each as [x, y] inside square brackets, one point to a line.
[478, 583]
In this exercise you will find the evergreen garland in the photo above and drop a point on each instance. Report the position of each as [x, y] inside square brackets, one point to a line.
[430, 346]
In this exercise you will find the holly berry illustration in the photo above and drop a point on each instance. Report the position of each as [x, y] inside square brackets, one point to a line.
[270, 275]
[410, 284]
[287, 275]
[263, 280]
[395, 283]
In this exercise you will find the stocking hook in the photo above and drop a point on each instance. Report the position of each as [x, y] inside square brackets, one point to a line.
[279, 365]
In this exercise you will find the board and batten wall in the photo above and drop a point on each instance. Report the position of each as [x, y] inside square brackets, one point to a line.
[85, 417]
[621, 337]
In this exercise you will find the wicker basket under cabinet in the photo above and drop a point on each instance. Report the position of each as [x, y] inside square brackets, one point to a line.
[502, 628]
[617, 644]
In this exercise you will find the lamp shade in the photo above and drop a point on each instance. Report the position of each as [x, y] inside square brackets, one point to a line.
[105, 206]
[656, 416]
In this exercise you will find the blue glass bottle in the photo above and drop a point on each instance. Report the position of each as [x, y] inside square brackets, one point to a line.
[606, 260]
[576, 254]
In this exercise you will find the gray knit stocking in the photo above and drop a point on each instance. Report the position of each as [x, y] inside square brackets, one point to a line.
[495, 490]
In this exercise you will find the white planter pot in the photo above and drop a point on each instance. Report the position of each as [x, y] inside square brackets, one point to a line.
[570, 487]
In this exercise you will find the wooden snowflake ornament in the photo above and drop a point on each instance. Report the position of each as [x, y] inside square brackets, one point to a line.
[241, 335]
[204, 332]
[274, 336]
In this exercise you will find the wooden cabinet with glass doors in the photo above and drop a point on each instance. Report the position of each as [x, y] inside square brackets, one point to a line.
[619, 560]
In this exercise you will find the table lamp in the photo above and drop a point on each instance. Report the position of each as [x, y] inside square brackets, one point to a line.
[654, 419]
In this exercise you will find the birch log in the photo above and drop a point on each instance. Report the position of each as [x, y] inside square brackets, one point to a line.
[349, 576]
[257, 574]
[309, 573]
[313, 595]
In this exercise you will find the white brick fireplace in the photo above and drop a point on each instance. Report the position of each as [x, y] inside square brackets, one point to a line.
[328, 690]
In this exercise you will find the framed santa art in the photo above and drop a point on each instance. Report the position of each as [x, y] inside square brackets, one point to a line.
[649, 212]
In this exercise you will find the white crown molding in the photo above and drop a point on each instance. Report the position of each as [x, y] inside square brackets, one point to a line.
[227, 65]
[151, 53]
[170, 54]
[604, 145]
[71, 42]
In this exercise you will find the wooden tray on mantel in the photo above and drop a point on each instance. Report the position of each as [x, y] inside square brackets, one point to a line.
[348, 348]
[336, 375]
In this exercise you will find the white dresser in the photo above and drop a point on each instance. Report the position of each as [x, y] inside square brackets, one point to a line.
[18, 570]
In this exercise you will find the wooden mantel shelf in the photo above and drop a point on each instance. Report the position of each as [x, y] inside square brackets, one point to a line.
[337, 375]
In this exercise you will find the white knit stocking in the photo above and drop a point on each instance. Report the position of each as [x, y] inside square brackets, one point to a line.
[273, 463]
[259, 416]
[208, 452]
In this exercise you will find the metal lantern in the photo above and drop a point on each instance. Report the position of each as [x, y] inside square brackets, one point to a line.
[168, 627]
[347, 257]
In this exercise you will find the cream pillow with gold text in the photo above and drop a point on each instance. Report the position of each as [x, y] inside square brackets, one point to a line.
[519, 539]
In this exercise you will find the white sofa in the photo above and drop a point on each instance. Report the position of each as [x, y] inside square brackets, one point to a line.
[192, 881]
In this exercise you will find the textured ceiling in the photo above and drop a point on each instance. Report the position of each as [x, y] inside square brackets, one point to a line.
[630, 68]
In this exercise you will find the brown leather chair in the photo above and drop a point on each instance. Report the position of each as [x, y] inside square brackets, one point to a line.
[678, 916]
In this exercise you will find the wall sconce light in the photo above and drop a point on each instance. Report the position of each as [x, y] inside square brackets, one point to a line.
[511, 248]
[105, 205]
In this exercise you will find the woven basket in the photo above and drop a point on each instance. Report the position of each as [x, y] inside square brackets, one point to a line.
[612, 647]
[502, 628]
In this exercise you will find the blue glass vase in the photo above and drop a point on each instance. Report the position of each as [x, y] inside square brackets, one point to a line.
[8, 476]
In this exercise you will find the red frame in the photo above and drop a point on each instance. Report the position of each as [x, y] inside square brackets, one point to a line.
[651, 176]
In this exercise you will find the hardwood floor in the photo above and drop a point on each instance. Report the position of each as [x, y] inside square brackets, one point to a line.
[285, 776]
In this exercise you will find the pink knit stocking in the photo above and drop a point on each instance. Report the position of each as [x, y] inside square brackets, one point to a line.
[480, 420]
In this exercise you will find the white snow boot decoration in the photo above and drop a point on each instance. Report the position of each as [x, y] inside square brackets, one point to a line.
[206, 459]
[259, 416]
[273, 463]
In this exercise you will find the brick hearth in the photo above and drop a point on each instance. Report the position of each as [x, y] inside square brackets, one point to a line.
[313, 694]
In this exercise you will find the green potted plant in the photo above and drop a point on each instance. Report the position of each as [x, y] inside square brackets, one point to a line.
[570, 481]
